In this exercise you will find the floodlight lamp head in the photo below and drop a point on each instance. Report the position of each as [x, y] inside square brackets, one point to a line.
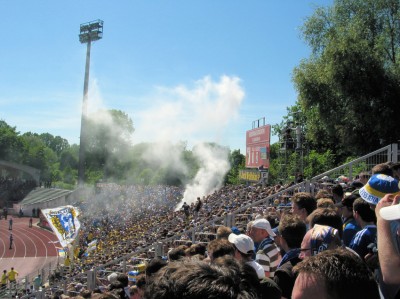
[91, 31]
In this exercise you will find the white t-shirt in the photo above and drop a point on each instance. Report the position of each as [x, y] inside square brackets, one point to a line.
[259, 269]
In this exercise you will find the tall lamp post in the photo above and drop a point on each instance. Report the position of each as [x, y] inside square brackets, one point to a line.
[89, 32]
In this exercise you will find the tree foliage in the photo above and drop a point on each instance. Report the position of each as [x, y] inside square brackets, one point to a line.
[349, 87]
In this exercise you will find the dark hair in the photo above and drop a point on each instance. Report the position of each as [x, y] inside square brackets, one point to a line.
[177, 253]
[86, 294]
[220, 247]
[155, 265]
[364, 210]
[292, 229]
[344, 274]
[305, 200]
[382, 168]
[141, 281]
[223, 232]
[123, 278]
[326, 216]
[190, 279]
[199, 248]
[338, 190]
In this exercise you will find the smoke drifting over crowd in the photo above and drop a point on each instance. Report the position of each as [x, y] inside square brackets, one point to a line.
[197, 116]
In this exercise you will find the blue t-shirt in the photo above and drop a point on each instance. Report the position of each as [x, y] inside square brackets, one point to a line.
[350, 228]
[362, 239]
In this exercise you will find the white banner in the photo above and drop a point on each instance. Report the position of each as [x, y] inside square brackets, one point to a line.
[64, 222]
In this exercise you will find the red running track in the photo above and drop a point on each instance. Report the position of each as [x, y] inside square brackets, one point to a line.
[33, 247]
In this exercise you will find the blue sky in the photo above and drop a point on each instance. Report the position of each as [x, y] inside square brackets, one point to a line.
[182, 70]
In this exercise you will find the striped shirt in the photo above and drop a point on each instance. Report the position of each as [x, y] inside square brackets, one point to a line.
[267, 256]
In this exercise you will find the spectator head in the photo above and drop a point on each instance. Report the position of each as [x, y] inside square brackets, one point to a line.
[326, 216]
[382, 168]
[154, 266]
[346, 205]
[112, 277]
[318, 239]
[362, 211]
[261, 229]
[323, 193]
[396, 170]
[337, 193]
[243, 244]
[220, 247]
[199, 280]
[292, 230]
[363, 177]
[177, 253]
[377, 187]
[334, 274]
[223, 232]
[325, 202]
[303, 203]
[123, 278]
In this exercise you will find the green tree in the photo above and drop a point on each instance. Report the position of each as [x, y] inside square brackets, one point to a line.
[237, 161]
[349, 87]
[11, 145]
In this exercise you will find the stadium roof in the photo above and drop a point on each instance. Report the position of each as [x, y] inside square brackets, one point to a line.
[40, 195]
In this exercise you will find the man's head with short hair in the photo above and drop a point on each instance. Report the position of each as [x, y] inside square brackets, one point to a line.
[303, 204]
[337, 192]
[325, 202]
[334, 274]
[292, 229]
[382, 168]
[223, 232]
[154, 266]
[362, 209]
[198, 280]
[326, 216]
[220, 247]
[177, 253]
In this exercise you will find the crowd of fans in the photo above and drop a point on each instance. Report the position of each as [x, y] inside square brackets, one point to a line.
[342, 242]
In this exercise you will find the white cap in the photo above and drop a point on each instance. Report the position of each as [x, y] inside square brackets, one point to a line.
[242, 242]
[263, 224]
[391, 212]
[112, 277]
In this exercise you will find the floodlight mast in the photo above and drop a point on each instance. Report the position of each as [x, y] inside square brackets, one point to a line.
[89, 32]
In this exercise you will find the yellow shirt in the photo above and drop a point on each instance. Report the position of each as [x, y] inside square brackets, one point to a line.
[12, 275]
[67, 262]
[4, 278]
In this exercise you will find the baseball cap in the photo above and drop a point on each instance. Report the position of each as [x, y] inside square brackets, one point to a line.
[242, 242]
[391, 212]
[377, 187]
[263, 224]
[112, 277]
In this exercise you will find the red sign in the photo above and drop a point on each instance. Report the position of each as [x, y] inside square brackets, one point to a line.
[257, 147]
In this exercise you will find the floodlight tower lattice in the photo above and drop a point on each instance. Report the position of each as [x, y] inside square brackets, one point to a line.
[89, 32]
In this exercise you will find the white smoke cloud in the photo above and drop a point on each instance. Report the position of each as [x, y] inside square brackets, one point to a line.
[214, 166]
[197, 115]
